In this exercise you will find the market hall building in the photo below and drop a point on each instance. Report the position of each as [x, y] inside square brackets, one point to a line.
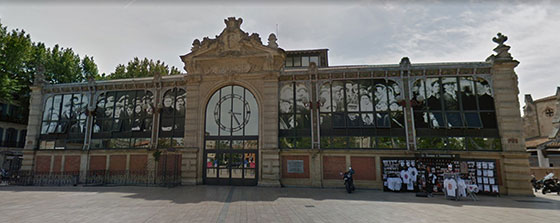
[248, 113]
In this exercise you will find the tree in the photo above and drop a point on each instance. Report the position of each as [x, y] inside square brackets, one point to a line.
[142, 68]
[20, 57]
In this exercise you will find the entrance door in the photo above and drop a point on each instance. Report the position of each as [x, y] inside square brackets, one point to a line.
[231, 138]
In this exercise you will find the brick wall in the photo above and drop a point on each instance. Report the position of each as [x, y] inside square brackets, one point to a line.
[72, 163]
[117, 163]
[138, 162]
[97, 163]
[332, 166]
[364, 167]
[43, 164]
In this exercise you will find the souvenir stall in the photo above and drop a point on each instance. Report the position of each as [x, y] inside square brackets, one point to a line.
[466, 176]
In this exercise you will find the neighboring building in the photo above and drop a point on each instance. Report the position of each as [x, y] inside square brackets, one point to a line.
[541, 121]
[252, 114]
[13, 124]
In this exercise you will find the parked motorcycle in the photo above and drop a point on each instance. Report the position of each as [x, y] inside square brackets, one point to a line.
[537, 184]
[551, 185]
[348, 180]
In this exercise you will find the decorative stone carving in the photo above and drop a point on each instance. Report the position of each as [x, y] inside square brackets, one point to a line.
[39, 78]
[272, 41]
[405, 63]
[502, 50]
[233, 51]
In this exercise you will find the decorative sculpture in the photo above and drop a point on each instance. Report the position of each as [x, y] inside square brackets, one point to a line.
[272, 41]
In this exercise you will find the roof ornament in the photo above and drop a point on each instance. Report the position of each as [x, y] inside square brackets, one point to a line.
[405, 63]
[501, 50]
[232, 23]
[272, 41]
[39, 78]
[195, 45]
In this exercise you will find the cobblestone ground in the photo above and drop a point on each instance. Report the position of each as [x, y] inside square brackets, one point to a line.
[257, 204]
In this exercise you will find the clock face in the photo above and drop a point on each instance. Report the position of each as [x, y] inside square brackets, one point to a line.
[238, 118]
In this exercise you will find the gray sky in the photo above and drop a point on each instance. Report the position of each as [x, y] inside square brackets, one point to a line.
[362, 32]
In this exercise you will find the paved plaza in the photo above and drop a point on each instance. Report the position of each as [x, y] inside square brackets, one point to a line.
[258, 204]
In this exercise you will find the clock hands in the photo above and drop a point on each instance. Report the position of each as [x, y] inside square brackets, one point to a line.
[234, 114]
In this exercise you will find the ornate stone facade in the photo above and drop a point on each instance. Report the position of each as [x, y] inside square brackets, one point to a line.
[287, 93]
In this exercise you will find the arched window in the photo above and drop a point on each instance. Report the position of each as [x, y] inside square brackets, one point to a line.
[231, 137]
[123, 119]
[172, 119]
[64, 121]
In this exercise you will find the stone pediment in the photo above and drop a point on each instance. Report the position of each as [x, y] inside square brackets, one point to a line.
[233, 51]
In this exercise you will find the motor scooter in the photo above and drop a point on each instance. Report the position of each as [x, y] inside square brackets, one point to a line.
[551, 185]
[348, 180]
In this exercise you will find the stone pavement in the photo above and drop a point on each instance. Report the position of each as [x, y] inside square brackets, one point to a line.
[257, 204]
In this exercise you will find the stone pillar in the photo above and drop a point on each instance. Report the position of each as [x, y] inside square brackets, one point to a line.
[510, 125]
[33, 127]
[269, 153]
[543, 160]
[190, 172]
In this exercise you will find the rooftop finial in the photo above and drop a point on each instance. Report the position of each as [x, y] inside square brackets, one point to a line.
[502, 49]
[272, 41]
[232, 23]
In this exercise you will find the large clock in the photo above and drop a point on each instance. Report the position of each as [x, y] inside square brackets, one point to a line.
[238, 118]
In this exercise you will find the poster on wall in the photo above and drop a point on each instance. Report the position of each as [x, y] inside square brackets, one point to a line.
[295, 166]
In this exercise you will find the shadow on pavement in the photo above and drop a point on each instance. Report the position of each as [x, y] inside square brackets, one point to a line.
[227, 194]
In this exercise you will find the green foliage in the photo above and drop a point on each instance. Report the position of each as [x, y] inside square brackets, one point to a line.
[142, 68]
[20, 57]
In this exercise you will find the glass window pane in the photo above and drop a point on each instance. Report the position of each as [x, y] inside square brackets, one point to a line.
[488, 120]
[47, 113]
[450, 98]
[399, 142]
[289, 62]
[456, 143]
[353, 120]
[249, 173]
[303, 143]
[237, 161]
[304, 61]
[397, 120]
[338, 96]
[366, 99]
[239, 117]
[287, 98]
[454, 119]
[303, 121]
[177, 142]
[380, 96]
[352, 100]
[339, 120]
[419, 95]
[433, 91]
[302, 98]
[287, 122]
[237, 144]
[252, 127]
[484, 92]
[421, 120]
[325, 97]
[180, 105]
[384, 142]
[383, 120]
[251, 144]
[430, 143]
[368, 120]
[56, 107]
[297, 61]
[467, 93]
[286, 143]
[325, 121]
[436, 120]
[473, 120]
[224, 144]
[394, 96]
[225, 111]
[339, 142]
[211, 144]
[314, 59]
[212, 115]
[354, 142]
[142, 143]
